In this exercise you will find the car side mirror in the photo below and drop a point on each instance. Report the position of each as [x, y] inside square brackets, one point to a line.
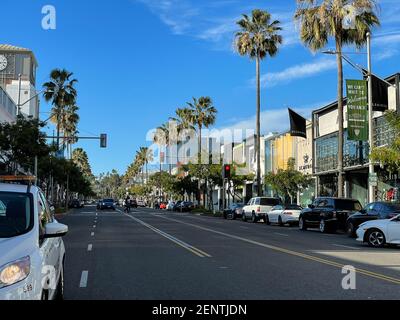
[55, 230]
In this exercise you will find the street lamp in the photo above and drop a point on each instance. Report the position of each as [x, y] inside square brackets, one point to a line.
[369, 73]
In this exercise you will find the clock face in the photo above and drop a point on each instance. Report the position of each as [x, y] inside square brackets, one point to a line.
[3, 62]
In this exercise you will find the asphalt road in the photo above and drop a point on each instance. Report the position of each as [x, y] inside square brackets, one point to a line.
[153, 255]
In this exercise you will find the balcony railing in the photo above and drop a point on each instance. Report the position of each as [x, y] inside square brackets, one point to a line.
[7, 103]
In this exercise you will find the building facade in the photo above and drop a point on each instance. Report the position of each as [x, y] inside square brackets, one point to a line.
[355, 153]
[18, 80]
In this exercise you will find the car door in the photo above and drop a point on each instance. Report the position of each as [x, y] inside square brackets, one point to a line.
[249, 208]
[273, 215]
[393, 231]
[315, 215]
[49, 248]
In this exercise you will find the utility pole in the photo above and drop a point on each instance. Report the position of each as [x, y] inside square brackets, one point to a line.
[371, 170]
[19, 94]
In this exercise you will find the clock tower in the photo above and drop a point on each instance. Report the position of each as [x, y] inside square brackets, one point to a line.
[15, 61]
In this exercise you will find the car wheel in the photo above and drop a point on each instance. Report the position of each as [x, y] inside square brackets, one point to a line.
[376, 238]
[302, 224]
[244, 218]
[323, 228]
[350, 230]
[280, 222]
[254, 218]
[266, 220]
[60, 287]
[45, 295]
[225, 216]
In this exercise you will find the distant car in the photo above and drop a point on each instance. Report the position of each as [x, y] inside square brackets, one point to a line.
[186, 206]
[31, 246]
[141, 203]
[163, 205]
[177, 206]
[106, 204]
[284, 214]
[134, 203]
[170, 205]
[76, 203]
[234, 211]
[329, 214]
[257, 208]
[377, 233]
[372, 211]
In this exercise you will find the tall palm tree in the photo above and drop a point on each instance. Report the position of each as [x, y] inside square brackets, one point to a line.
[201, 114]
[68, 126]
[61, 92]
[81, 159]
[144, 156]
[323, 20]
[258, 38]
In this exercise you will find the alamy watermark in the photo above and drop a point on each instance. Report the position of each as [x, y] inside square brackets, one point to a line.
[49, 20]
[349, 280]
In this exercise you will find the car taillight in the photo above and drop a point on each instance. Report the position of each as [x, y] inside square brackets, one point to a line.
[288, 213]
[259, 209]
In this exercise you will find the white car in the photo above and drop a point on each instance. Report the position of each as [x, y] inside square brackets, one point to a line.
[284, 214]
[32, 252]
[170, 205]
[377, 233]
[257, 208]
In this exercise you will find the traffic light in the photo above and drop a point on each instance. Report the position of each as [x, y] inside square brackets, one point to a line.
[226, 174]
[103, 141]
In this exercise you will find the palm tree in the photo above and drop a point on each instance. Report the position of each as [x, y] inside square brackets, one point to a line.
[81, 159]
[68, 126]
[60, 90]
[144, 156]
[258, 38]
[201, 114]
[324, 19]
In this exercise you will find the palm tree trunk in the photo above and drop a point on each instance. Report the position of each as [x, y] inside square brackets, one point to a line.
[340, 118]
[199, 163]
[258, 135]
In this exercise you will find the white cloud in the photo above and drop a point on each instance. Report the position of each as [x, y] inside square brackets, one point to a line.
[304, 70]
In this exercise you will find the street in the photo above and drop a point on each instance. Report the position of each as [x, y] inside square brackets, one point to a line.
[159, 255]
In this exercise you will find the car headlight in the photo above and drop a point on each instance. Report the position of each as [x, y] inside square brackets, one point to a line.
[15, 272]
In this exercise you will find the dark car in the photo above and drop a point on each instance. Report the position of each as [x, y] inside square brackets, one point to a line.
[177, 206]
[76, 203]
[106, 204]
[372, 211]
[186, 206]
[234, 211]
[329, 214]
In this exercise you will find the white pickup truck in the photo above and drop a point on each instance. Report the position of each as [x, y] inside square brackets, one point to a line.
[257, 208]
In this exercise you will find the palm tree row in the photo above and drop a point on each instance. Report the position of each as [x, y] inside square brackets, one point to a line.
[139, 165]
[320, 21]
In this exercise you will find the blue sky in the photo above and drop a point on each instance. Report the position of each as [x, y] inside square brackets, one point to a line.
[138, 60]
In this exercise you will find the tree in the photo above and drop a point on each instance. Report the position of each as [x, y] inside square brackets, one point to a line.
[201, 114]
[81, 160]
[20, 143]
[68, 125]
[288, 182]
[389, 156]
[258, 38]
[61, 92]
[321, 20]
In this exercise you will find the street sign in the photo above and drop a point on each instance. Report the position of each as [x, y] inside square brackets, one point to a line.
[357, 110]
[373, 179]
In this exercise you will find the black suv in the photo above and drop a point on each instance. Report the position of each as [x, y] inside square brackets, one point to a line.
[329, 214]
[372, 211]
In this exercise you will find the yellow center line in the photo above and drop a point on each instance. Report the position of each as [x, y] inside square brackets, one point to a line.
[293, 253]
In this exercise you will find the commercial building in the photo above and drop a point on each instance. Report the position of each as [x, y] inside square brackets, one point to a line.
[17, 82]
[356, 154]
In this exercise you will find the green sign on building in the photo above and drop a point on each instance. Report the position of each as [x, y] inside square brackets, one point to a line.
[357, 110]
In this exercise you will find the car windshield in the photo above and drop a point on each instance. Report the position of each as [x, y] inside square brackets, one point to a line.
[108, 200]
[351, 205]
[16, 216]
[269, 202]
